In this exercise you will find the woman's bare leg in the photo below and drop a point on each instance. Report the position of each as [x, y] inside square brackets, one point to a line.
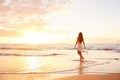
[80, 54]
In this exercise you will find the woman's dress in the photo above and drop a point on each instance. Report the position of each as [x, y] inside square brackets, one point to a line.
[80, 47]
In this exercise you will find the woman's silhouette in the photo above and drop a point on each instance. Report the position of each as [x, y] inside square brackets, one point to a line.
[79, 46]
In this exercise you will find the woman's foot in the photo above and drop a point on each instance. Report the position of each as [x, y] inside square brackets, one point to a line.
[81, 59]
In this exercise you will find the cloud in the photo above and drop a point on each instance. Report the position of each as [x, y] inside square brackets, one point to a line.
[25, 14]
[10, 33]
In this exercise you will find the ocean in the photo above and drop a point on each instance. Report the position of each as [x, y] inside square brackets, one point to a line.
[58, 59]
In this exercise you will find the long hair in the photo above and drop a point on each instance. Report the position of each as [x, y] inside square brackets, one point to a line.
[80, 37]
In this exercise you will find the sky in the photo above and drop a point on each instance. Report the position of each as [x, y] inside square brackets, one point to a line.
[59, 21]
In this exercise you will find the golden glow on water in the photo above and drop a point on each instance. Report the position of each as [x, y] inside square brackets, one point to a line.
[34, 62]
[20, 64]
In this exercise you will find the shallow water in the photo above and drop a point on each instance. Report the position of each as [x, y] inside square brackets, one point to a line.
[55, 60]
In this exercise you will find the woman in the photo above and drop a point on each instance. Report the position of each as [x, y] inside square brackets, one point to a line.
[79, 46]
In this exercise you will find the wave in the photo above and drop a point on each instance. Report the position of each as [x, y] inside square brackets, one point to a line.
[38, 55]
[105, 47]
[39, 49]
[30, 49]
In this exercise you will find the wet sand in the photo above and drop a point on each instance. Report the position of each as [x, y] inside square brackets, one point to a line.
[47, 77]
[92, 77]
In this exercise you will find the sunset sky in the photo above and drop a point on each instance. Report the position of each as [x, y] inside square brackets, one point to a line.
[59, 21]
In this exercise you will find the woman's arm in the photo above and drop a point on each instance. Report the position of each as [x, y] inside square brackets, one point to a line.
[76, 43]
[84, 44]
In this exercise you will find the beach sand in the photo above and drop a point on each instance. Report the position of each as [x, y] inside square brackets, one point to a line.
[45, 77]
[92, 77]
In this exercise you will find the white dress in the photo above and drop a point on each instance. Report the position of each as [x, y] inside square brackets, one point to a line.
[80, 47]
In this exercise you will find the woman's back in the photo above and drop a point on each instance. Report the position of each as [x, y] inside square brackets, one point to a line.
[80, 39]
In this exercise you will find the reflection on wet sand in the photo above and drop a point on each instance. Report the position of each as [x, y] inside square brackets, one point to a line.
[19, 64]
[81, 67]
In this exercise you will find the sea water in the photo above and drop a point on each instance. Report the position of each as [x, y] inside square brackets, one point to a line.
[58, 59]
